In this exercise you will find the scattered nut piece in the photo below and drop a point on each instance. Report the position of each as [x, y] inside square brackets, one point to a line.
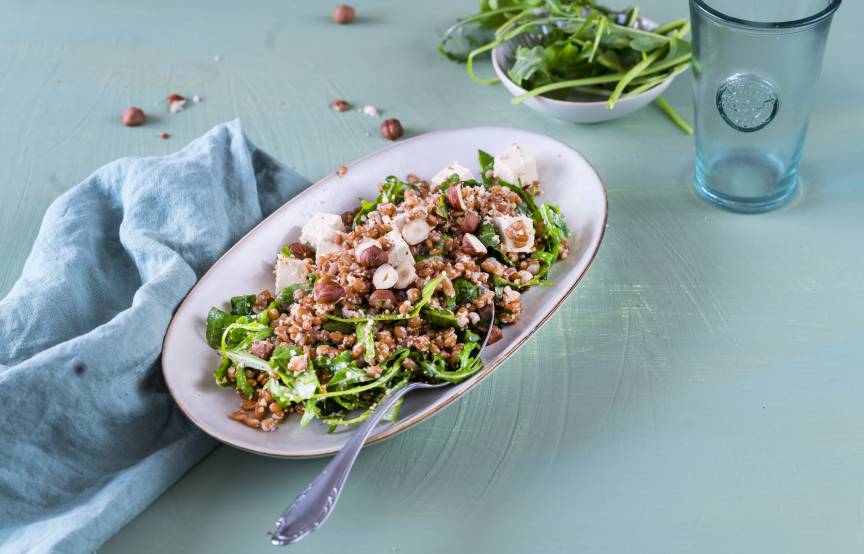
[472, 246]
[340, 105]
[174, 98]
[342, 170]
[164, 136]
[470, 222]
[391, 129]
[133, 117]
[385, 277]
[344, 14]
[370, 110]
[196, 98]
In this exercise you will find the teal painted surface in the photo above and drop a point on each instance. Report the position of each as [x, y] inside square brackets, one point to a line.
[700, 392]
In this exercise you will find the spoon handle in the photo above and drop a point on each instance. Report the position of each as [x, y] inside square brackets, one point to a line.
[311, 508]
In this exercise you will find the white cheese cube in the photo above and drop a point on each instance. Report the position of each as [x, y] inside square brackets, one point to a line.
[319, 223]
[326, 242]
[289, 271]
[463, 172]
[399, 250]
[515, 166]
[516, 233]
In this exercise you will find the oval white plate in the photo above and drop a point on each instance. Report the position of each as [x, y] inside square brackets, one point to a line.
[188, 362]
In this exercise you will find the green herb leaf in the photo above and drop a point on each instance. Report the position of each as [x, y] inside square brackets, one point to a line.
[466, 291]
[530, 64]
[217, 321]
[441, 208]
[440, 318]
[242, 305]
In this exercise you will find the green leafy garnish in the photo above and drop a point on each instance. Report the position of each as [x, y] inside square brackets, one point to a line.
[217, 321]
[242, 305]
[392, 192]
[440, 318]
[490, 239]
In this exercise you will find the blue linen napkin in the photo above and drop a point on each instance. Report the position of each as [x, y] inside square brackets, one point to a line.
[90, 435]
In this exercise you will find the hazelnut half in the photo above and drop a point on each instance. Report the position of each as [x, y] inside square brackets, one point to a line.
[133, 117]
[382, 298]
[470, 222]
[372, 256]
[454, 197]
[344, 14]
[472, 246]
[385, 277]
[328, 292]
[391, 129]
[407, 274]
[416, 231]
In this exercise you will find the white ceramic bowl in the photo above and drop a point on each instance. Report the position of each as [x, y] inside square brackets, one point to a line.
[188, 362]
[571, 110]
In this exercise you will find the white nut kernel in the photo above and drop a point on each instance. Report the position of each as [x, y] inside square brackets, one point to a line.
[416, 231]
[385, 277]
[406, 275]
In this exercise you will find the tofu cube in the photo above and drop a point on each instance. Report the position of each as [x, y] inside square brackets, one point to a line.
[289, 271]
[463, 172]
[321, 224]
[399, 251]
[516, 233]
[516, 166]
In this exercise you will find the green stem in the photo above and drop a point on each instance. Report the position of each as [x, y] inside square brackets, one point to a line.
[634, 72]
[673, 115]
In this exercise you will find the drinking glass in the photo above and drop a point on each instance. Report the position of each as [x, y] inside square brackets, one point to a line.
[755, 66]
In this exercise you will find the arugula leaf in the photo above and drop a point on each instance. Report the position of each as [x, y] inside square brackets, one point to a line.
[242, 305]
[530, 64]
[466, 291]
[298, 389]
[366, 337]
[282, 355]
[286, 295]
[338, 326]
[221, 373]
[435, 367]
[487, 164]
[440, 318]
[441, 208]
[554, 226]
[490, 239]
[392, 192]
[217, 321]
[345, 371]
[241, 383]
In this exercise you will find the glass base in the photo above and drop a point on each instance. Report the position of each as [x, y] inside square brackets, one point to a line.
[746, 183]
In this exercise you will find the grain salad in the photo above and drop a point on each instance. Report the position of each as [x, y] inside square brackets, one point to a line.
[391, 292]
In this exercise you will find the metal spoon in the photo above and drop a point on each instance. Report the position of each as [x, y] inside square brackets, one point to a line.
[312, 507]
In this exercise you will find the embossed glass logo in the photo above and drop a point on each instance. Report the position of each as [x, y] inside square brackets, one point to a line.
[746, 102]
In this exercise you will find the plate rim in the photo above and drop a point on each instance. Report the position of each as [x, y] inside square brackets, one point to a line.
[470, 383]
